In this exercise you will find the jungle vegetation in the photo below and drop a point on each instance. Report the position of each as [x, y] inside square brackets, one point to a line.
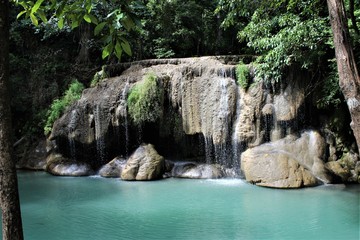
[48, 50]
[47, 44]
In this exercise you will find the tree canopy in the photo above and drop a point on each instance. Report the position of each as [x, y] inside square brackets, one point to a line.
[281, 33]
[278, 34]
[112, 19]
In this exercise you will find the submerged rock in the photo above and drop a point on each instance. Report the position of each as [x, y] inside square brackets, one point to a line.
[144, 164]
[197, 171]
[113, 168]
[287, 163]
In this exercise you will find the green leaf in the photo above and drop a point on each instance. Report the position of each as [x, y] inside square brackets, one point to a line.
[20, 14]
[87, 18]
[118, 50]
[36, 6]
[105, 53]
[74, 24]
[128, 23]
[24, 5]
[93, 19]
[61, 23]
[60, 11]
[126, 47]
[111, 29]
[34, 19]
[99, 28]
[88, 6]
[111, 47]
[107, 50]
[42, 15]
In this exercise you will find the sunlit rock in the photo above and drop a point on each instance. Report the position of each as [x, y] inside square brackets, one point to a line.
[287, 163]
[113, 168]
[144, 164]
[60, 166]
[336, 168]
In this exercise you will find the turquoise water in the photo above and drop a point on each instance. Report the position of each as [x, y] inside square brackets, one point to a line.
[97, 208]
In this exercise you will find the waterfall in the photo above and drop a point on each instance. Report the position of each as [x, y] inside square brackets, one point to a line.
[71, 137]
[100, 141]
[268, 124]
[235, 138]
[276, 132]
[221, 150]
[208, 149]
[125, 114]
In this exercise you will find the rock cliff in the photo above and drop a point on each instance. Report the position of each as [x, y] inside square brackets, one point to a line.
[205, 116]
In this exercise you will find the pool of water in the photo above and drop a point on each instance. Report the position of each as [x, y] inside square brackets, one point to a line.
[97, 208]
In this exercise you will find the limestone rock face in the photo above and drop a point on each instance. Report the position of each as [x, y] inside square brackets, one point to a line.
[113, 168]
[266, 115]
[336, 168]
[35, 159]
[287, 163]
[201, 98]
[144, 164]
[207, 116]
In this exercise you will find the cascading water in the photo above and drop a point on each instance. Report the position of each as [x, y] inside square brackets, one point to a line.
[276, 132]
[208, 149]
[100, 142]
[71, 127]
[235, 139]
[125, 114]
[221, 150]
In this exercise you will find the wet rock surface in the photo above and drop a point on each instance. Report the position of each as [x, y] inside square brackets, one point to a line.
[114, 168]
[287, 163]
[197, 171]
[61, 166]
[144, 164]
[207, 115]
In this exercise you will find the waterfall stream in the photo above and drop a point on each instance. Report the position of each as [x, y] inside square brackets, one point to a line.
[100, 142]
[71, 137]
[221, 151]
[125, 114]
[235, 139]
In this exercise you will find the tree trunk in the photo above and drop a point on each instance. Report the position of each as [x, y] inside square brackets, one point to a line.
[85, 36]
[349, 78]
[9, 196]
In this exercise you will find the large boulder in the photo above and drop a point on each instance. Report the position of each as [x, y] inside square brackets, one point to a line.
[61, 166]
[336, 168]
[144, 164]
[113, 168]
[347, 168]
[287, 163]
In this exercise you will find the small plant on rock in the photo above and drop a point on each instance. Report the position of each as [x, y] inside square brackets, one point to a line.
[145, 100]
[98, 77]
[243, 75]
[58, 106]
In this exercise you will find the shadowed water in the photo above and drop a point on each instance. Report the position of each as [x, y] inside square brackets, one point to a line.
[98, 208]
